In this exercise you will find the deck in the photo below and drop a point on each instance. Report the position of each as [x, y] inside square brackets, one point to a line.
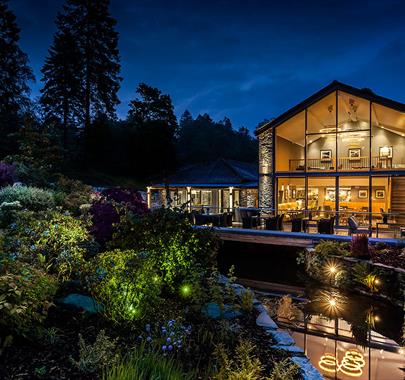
[292, 239]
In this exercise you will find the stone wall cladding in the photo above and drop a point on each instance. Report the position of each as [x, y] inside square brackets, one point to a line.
[266, 166]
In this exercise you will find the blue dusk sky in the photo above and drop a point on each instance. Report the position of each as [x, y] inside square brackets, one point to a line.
[248, 60]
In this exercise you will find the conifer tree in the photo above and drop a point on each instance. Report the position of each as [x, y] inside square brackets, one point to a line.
[15, 75]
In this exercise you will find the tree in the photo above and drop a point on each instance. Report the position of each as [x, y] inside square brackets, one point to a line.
[14, 77]
[154, 127]
[87, 27]
[62, 93]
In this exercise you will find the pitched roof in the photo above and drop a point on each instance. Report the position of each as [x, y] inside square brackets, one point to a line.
[219, 173]
[364, 93]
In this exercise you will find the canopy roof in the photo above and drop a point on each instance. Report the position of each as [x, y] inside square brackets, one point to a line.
[219, 173]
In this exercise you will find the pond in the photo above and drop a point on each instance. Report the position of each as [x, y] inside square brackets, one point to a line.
[345, 335]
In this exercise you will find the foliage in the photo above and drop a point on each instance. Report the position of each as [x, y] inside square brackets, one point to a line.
[97, 356]
[202, 139]
[181, 253]
[53, 241]
[111, 281]
[72, 195]
[284, 370]
[152, 119]
[30, 198]
[8, 213]
[7, 174]
[106, 211]
[15, 78]
[145, 364]
[26, 294]
[286, 309]
[363, 276]
[244, 366]
[330, 248]
[168, 338]
[359, 246]
[246, 301]
[392, 256]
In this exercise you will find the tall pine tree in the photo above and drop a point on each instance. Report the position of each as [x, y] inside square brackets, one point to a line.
[14, 77]
[88, 28]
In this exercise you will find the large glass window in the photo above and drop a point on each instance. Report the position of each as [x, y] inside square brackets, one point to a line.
[290, 194]
[290, 142]
[354, 199]
[353, 138]
[321, 135]
[322, 195]
[388, 136]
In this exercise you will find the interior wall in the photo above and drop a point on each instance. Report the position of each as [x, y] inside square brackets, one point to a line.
[322, 143]
[286, 151]
[382, 137]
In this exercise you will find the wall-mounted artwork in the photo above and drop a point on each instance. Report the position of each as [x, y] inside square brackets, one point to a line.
[354, 153]
[379, 194]
[326, 155]
[386, 151]
[363, 194]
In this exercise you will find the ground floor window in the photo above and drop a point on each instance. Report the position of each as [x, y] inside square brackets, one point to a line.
[369, 198]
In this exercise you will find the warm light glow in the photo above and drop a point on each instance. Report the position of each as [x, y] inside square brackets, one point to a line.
[352, 363]
[332, 302]
[377, 318]
[185, 290]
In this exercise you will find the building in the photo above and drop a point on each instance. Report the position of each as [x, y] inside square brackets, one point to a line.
[214, 187]
[341, 151]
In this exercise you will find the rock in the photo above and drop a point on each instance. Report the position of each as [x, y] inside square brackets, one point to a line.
[264, 320]
[212, 310]
[282, 338]
[308, 371]
[82, 302]
[292, 349]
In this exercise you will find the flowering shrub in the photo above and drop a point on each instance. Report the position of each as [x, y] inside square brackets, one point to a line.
[106, 211]
[169, 337]
[26, 294]
[7, 174]
[54, 241]
[126, 283]
[30, 198]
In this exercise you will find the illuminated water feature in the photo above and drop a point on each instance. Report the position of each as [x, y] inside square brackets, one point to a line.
[345, 335]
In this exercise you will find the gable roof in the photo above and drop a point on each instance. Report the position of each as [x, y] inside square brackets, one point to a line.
[364, 93]
[219, 173]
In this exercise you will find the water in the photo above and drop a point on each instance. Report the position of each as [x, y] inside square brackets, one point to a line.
[345, 335]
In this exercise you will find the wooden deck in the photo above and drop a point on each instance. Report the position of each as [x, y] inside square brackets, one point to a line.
[292, 239]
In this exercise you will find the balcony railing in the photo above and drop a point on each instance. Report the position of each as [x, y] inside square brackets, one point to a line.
[345, 164]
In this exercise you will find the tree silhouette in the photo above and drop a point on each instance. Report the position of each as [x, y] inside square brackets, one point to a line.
[14, 77]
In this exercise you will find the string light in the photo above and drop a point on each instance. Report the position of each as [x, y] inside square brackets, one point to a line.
[352, 363]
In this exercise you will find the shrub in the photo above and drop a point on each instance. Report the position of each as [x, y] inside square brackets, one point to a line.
[72, 194]
[107, 210]
[181, 253]
[330, 248]
[126, 283]
[30, 198]
[144, 364]
[244, 366]
[8, 213]
[7, 174]
[26, 294]
[284, 370]
[363, 276]
[359, 247]
[53, 241]
[97, 356]
[246, 301]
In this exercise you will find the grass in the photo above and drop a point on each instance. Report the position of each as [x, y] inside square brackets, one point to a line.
[143, 364]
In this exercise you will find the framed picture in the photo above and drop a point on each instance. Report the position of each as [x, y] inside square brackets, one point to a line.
[363, 194]
[386, 151]
[379, 194]
[354, 153]
[326, 155]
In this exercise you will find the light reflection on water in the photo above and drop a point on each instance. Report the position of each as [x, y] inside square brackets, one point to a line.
[348, 337]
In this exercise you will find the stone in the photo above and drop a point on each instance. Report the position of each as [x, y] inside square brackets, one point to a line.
[264, 320]
[308, 371]
[292, 349]
[212, 310]
[282, 338]
[82, 302]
